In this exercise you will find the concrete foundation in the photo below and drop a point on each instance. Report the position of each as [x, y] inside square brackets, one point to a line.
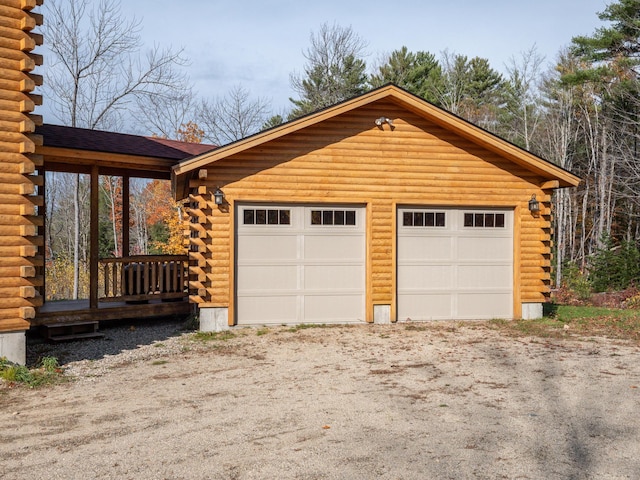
[531, 311]
[13, 345]
[382, 314]
[214, 319]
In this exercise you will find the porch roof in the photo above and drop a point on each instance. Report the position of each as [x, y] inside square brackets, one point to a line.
[76, 150]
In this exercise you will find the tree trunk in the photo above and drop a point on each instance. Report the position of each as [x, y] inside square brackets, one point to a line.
[112, 191]
[76, 236]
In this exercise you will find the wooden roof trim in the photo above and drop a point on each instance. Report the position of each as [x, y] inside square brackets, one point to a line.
[87, 157]
[69, 160]
[183, 170]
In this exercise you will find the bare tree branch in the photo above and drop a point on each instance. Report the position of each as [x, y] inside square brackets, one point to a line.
[232, 117]
[97, 76]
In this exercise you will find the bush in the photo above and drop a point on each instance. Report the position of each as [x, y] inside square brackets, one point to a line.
[615, 267]
[59, 279]
[633, 302]
[47, 371]
[575, 284]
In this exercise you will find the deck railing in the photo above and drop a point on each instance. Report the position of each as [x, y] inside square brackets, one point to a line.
[142, 278]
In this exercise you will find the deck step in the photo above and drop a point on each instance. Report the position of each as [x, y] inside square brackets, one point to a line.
[59, 332]
[75, 336]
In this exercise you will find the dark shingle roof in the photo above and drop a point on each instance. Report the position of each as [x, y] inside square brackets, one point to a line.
[110, 142]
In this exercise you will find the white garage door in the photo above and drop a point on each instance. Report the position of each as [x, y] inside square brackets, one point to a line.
[455, 264]
[299, 263]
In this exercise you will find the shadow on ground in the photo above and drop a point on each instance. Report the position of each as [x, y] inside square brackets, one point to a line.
[118, 337]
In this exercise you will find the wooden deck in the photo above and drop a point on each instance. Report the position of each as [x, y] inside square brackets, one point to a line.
[70, 311]
[134, 287]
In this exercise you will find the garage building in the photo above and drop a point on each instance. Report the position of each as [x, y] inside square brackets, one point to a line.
[382, 208]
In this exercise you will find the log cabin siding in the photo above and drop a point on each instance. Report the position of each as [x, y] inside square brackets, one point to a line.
[20, 237]
[348, 159]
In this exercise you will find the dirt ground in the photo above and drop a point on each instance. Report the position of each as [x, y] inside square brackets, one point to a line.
[405, 401]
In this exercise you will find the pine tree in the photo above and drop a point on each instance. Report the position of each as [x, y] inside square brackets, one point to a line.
[419, 73]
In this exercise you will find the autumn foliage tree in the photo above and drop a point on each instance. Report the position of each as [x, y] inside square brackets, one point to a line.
[165, 220]
[190, 132]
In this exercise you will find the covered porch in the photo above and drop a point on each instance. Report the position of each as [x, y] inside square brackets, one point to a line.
[140, 286]
[129, 286]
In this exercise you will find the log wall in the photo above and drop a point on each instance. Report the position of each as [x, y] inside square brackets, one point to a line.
[20, 199]
[348, 159]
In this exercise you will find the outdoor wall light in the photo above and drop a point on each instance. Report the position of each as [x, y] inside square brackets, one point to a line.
[218, 196]
[381, 120]
[534, 204]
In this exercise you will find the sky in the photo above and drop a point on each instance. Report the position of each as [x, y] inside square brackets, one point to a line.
[259, 43]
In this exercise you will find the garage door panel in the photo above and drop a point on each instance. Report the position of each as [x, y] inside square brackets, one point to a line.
[484, 306]
[421, 306]
[462, 269]
[421, 248]
[309, 267]
[332, 277]
[276, 277]
[330, 248]
[265, 309]
[335, 308]
[483, 277]
[485, 248]
[425, 276]
[261, 247]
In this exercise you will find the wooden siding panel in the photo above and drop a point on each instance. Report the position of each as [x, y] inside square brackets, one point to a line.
[209, 256]
[347, 159]
[22, 4]
[20, 239]
[381, 252]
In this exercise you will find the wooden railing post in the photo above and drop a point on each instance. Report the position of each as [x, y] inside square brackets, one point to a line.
[125, 216]
[94, 239]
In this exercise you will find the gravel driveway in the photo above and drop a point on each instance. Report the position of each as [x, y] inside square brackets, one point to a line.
[405, 401]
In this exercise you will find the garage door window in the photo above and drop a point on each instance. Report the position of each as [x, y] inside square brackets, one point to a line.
[333, 217]
[267, 216]
[423, 219]
[484, 220]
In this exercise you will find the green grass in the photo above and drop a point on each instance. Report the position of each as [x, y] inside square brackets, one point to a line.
[214, 336]
[46, 372]
[579, 320]
[304, 326]
[262, 331]
[566, 313]
[416, 328]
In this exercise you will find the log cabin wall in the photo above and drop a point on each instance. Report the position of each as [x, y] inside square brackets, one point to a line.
[348, 159]
[20, 223]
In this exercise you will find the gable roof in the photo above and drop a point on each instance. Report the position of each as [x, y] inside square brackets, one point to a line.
[121, 143]
[185, 170]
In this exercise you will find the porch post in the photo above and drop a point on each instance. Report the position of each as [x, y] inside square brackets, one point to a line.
[125, 216]
[42, 213]
[94, 240]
